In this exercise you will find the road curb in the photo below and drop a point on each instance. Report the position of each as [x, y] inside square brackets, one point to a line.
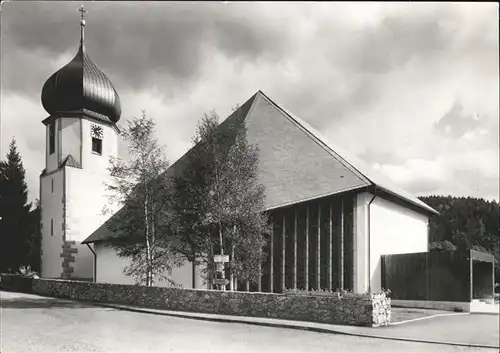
[288, 326]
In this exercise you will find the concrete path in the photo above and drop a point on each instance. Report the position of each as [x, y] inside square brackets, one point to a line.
[38, 324]
[485, 308]
[465, 330]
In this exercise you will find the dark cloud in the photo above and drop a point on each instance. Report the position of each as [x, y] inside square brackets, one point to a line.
[344, 68]
[455, 123]
[359, 61]
[324, 98]
[137, 44]
[392, 42]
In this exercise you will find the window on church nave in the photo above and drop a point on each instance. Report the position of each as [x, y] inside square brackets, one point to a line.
[96, 133]
[51, 227]
[52, 137]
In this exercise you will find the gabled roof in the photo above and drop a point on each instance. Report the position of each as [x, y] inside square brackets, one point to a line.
[296, 162]
[357, 165]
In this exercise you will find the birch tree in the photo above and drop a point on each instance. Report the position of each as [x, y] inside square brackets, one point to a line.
[218, 200]
[141, 189]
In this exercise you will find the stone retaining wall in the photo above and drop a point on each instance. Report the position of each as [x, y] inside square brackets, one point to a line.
[348, 309]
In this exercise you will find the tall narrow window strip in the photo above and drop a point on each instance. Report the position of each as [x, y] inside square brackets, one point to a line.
[51, 227]
[52, 137]
[52, 184]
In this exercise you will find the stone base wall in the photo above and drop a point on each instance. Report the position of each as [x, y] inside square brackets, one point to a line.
[68, 258]
[348, 309]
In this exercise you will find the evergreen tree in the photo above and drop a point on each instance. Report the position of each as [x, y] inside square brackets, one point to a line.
[14, 210]
[34, 239]
[466, 223]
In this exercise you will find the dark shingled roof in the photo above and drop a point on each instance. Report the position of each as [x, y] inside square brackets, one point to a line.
[296, 162]
[102, 233]
[81, 86]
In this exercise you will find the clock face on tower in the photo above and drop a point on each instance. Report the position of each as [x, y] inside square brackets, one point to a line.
[96, 131]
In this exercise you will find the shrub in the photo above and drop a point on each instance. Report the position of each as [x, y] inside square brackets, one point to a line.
[16, 282]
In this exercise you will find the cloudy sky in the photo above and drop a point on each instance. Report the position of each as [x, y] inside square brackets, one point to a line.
[411, 88]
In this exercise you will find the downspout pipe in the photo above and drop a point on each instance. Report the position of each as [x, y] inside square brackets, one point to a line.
[95, 263]
[374, 191]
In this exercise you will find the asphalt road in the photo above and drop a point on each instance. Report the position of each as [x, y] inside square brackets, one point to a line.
[36, 324]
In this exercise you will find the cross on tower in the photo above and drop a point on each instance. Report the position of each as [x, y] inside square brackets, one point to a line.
[82, 13]
[82, 22]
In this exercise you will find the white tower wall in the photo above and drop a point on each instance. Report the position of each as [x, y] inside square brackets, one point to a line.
[75, 204]
[51, 196]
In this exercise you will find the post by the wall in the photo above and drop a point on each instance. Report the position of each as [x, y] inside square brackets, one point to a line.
[427, 277]
[295, 250]
[271, 259]
[493, 279]
[341, 267]
[307, 250]
[318, 240]
[283, 241]
[330, 231]
[471, 275]
[382, 270]
[259, 282]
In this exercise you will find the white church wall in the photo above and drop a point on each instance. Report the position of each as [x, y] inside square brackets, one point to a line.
[51, 194]
[110, 267]
[360, 242]
[84, 262]
[183, 275]
[395, 229]
[70, 138]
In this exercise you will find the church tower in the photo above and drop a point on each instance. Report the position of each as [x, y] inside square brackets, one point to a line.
[81, 136]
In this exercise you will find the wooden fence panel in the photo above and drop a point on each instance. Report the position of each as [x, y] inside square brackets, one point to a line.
[448, 276]
[436, 276]
[405, 276]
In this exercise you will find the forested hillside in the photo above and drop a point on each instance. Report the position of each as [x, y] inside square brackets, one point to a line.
[465, 222]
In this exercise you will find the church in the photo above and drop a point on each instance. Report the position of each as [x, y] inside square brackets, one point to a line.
[333, 215]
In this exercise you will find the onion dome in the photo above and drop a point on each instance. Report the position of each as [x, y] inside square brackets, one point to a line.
[81, 88]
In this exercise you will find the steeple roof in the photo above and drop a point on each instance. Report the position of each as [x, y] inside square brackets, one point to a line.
[81, 88]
